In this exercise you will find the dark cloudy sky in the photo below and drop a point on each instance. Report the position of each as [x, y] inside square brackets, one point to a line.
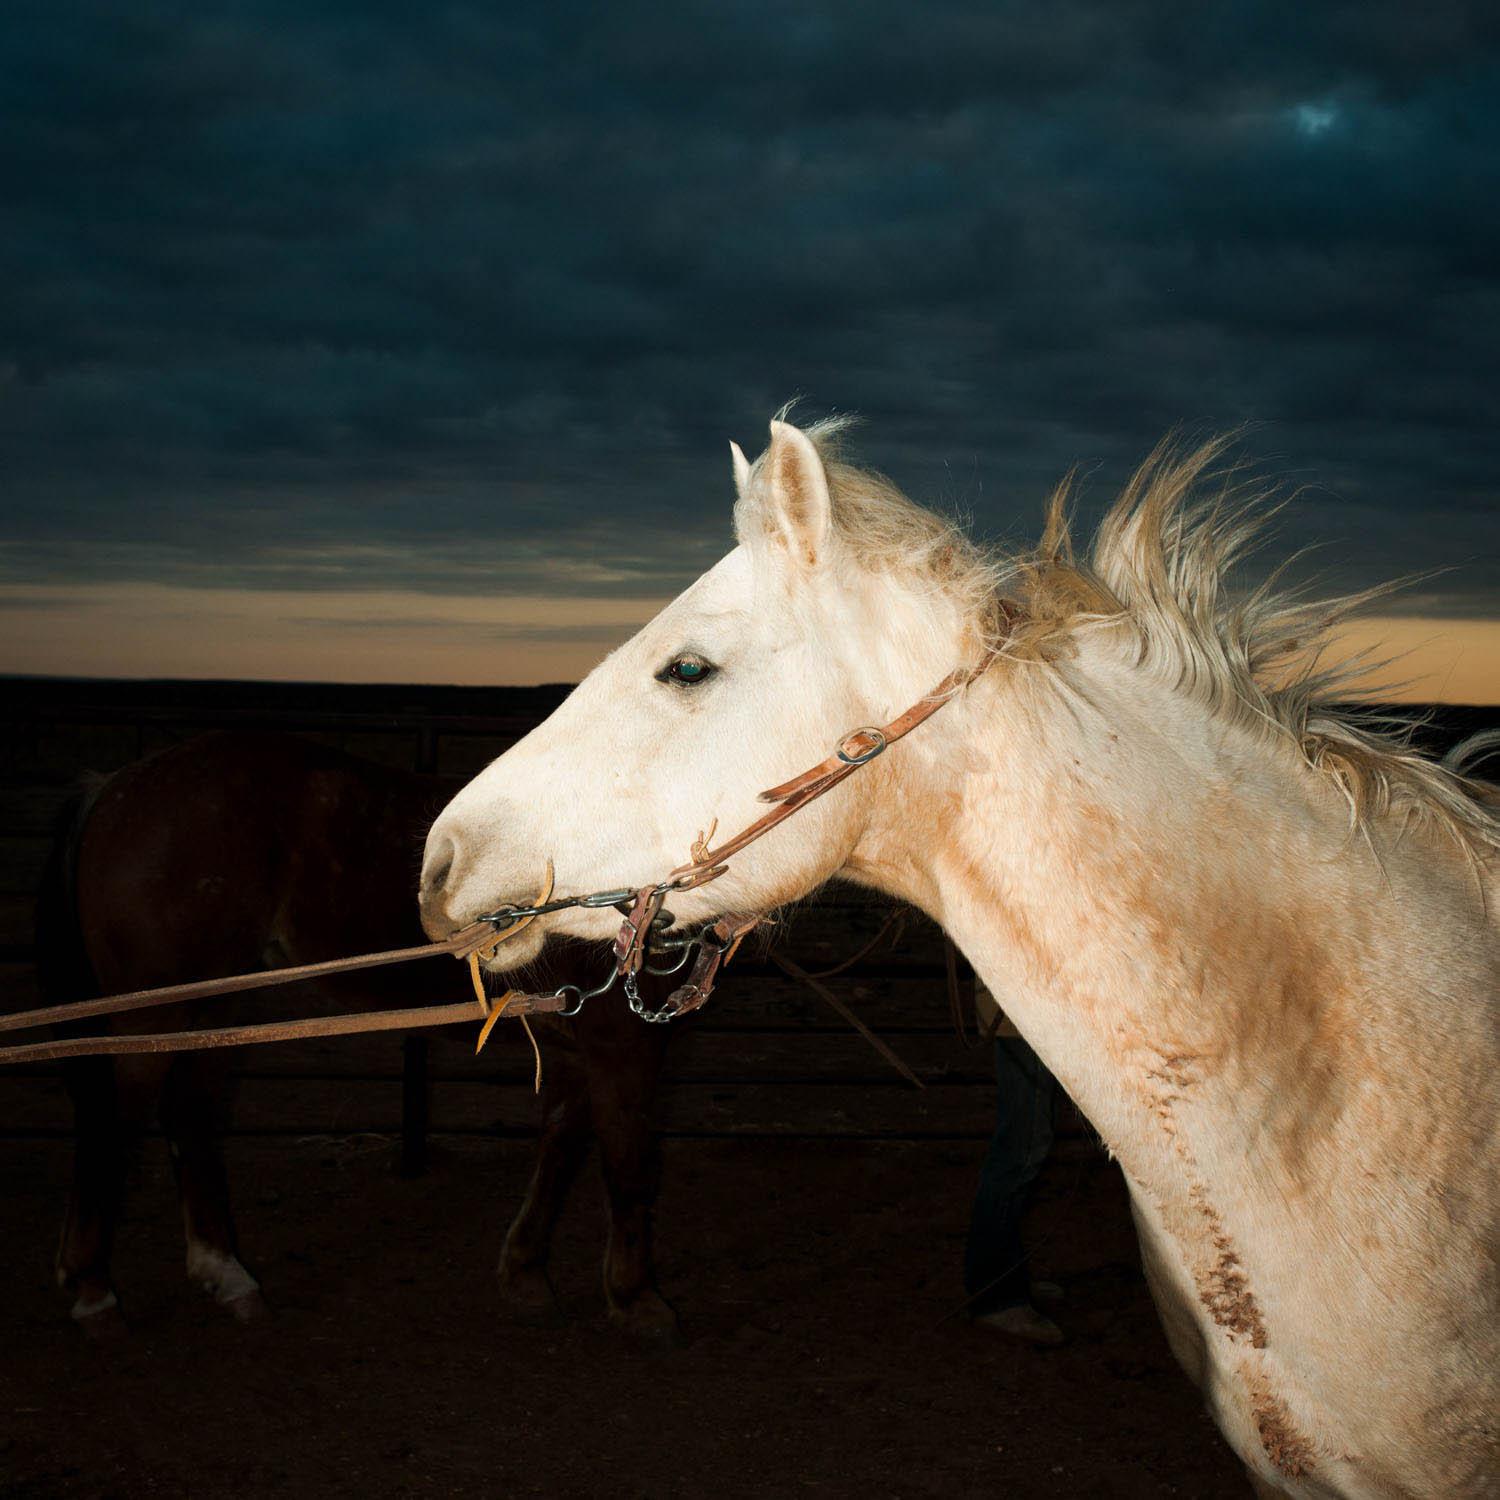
[388, 339]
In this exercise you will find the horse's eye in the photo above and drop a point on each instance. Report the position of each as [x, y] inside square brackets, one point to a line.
[688, 670]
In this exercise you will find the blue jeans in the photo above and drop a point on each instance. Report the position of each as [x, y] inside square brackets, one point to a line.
[995, 1273]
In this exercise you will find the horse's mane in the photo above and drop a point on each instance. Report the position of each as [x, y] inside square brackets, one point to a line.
[1159, 570]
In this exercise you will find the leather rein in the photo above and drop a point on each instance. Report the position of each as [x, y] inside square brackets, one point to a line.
[644, 934]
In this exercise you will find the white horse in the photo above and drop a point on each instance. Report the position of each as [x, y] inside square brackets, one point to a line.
[1255, 940]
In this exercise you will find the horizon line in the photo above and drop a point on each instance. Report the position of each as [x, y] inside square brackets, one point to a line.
[400, 685]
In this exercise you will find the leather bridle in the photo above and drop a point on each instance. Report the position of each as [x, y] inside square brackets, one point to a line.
[644, 934]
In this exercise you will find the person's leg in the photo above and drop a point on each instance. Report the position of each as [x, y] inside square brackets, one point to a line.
[996, 1275]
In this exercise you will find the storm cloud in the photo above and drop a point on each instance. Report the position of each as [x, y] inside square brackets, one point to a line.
[312, 296]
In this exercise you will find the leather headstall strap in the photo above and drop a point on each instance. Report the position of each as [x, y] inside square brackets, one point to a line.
[856, 749]
[716, 946]
[635, 931]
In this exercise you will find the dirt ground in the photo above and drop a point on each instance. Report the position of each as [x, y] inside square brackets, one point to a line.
[812, 1279]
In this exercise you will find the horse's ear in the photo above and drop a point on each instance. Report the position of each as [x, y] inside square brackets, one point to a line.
[789, 497]
[741, 469]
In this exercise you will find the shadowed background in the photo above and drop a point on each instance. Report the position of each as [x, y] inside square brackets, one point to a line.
[355, 343]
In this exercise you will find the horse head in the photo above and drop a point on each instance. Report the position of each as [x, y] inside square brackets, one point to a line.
[819, 620]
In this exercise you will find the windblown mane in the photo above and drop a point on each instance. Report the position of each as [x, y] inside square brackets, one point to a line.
[1159, 569]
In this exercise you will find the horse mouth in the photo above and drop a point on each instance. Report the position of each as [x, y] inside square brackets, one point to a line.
[515, 951]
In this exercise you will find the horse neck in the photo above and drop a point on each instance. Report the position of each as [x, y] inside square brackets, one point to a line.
[1170, 907]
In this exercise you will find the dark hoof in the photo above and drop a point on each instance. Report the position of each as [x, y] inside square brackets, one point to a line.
[1025, 1324]
[248, 1307]
[529, 1298]
[648, 1321]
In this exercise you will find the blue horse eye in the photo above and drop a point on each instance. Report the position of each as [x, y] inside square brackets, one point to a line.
[687, 670]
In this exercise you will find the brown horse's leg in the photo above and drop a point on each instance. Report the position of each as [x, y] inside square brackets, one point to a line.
[195, 1108]
[623, 1057]
[561, 1147]
[112, 1102]
[88, 1232]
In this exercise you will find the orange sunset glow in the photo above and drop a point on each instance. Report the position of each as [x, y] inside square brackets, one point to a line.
[150, 630]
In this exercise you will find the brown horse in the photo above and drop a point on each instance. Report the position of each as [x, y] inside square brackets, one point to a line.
[237, 851]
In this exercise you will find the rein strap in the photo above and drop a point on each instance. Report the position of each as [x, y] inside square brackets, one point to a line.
[204, 989]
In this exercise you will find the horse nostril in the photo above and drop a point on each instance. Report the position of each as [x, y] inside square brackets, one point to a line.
[435, 876]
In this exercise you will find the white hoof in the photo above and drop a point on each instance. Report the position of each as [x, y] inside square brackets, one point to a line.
[100, 1320]
[98, 1308]
[248, 1307]
[220, 1275]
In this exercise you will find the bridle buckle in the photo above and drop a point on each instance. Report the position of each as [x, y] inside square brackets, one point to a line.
[859, 757]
